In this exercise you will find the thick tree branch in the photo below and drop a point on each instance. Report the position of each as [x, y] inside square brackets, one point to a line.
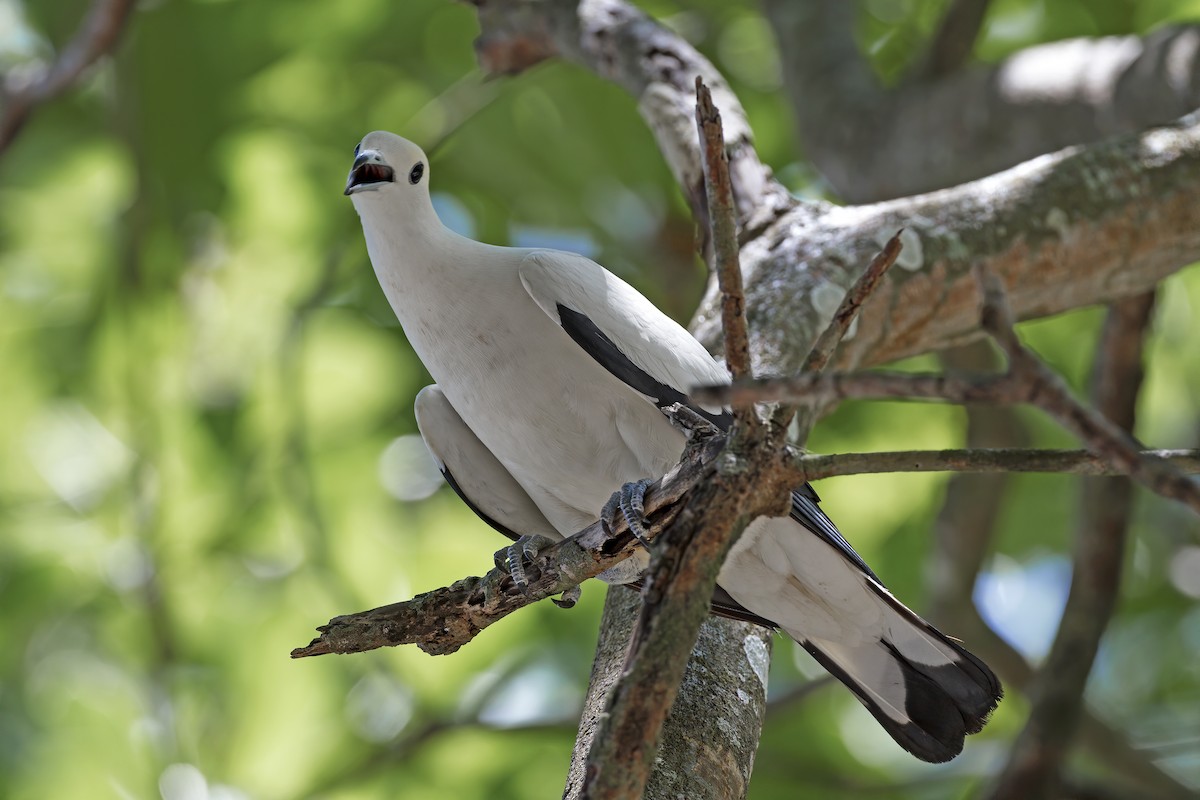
[719, 695]
[1081, 226]
[1034, 765]
[875, 143]
[97, 35]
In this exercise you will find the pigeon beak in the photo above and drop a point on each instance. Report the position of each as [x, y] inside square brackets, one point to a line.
[368, 173]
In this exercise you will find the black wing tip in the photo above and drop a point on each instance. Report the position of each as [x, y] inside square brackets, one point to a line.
[938, 723]
[979, 689]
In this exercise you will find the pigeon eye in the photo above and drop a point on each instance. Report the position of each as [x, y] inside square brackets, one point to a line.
[356, 149]
[414, 175]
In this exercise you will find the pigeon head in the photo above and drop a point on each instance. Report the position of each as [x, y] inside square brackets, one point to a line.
[388, 165]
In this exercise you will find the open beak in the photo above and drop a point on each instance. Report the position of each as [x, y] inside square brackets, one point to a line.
[368, 172]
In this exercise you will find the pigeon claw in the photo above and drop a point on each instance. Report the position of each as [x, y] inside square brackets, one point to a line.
[519, 556]
[629, 502]
[569, 598]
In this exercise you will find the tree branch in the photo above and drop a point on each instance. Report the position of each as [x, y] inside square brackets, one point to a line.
[872, 142]
[1035, 762]
[442, 621]
[97, 35]
[1081, 226]
[955, 39]
[816, 467]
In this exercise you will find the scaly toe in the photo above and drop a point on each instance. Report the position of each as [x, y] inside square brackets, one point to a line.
[517, 557]
[629, 502]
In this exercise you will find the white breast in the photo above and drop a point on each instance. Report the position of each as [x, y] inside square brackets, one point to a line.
[567, 430]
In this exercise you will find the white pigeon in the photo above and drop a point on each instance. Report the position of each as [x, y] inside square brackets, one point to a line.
[552, 376]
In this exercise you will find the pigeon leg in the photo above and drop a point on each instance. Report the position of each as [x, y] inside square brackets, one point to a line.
[628, 502]
[520, 555]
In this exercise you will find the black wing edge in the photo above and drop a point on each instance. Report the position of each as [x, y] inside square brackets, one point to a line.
[606, 353]
[463, 496]
[806, 511]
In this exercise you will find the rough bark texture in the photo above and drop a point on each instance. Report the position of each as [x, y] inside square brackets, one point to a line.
[1066, 230]
[710, 737]
[946, 127]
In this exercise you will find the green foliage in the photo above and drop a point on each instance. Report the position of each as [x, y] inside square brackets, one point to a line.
[207, 412]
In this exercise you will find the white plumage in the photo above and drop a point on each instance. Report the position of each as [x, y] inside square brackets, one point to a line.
[551, 373]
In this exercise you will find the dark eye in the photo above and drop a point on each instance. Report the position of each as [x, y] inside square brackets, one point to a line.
[356, 148]
[414, 175]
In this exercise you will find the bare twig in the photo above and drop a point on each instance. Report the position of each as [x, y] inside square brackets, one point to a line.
[832, 387]
[822, 349]
[1049, 393]
[719, 192]
[442, 621]
[828, 340]
[813, 467]
[1034, 765]
[98, 34]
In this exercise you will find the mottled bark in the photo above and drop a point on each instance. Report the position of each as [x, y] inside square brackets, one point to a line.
[1082, 226]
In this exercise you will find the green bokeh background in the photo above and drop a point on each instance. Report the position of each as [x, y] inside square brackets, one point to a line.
[207, 435]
